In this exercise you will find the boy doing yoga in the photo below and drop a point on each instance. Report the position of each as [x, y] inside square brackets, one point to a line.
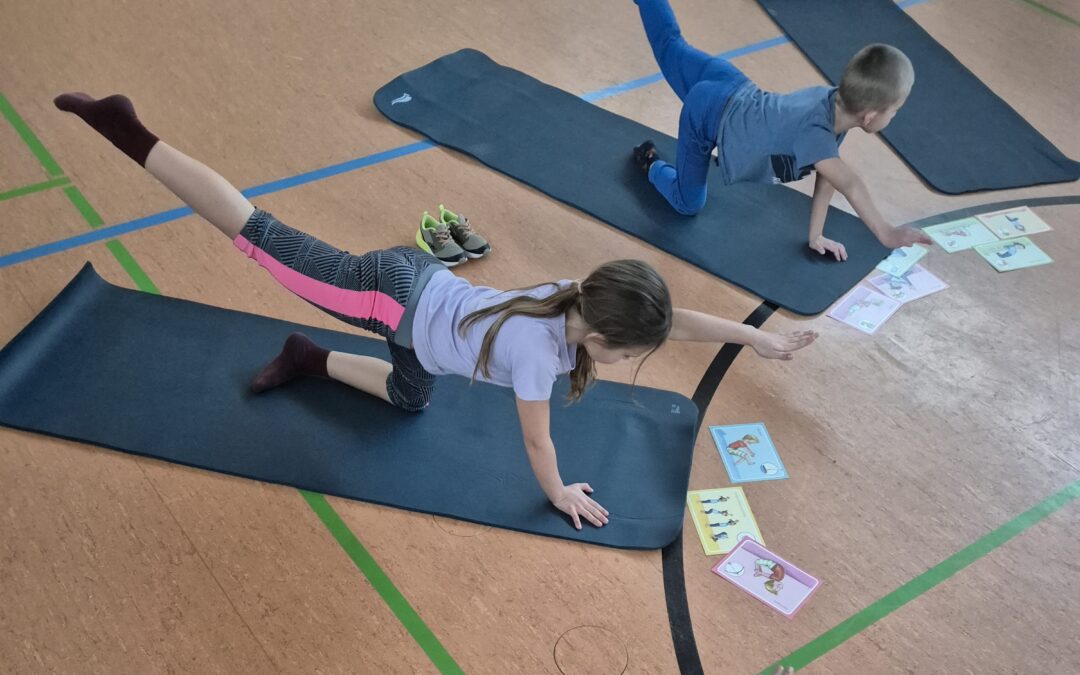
[765, 137]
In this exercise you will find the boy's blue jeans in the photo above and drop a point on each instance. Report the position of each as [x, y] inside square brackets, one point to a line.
[703, 83]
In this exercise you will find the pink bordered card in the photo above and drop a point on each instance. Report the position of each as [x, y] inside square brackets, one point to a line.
[768, 577]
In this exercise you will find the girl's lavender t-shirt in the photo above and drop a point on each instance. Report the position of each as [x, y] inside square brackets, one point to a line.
[528, 353]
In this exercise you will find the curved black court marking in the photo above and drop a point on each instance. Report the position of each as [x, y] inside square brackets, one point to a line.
[993, 206]
[682, 629]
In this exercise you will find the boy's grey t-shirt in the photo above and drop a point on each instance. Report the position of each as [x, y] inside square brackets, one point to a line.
[776, 138]
[528, 353]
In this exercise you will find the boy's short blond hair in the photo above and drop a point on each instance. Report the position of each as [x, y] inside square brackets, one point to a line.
[877, 77]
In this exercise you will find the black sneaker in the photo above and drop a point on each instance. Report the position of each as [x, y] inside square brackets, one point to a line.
[645, 155]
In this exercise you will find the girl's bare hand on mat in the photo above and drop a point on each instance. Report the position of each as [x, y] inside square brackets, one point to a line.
[576, 503]
[782, 345]
[825, 245]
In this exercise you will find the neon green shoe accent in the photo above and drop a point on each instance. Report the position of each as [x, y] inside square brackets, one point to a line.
[420, 243]
[447, 216]
[427, 222]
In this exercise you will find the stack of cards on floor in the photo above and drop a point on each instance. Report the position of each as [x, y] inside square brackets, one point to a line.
[748, 453]
[768, 577]
[723, 518]
[1000, 237]
[903, 281]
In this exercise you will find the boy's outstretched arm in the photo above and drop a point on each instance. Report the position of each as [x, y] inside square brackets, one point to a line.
[819, 209]
[691, 326]
[840, 175]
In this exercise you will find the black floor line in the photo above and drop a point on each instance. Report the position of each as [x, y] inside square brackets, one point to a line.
[682, 629]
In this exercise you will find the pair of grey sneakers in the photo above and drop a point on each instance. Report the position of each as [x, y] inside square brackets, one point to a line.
[450, 238]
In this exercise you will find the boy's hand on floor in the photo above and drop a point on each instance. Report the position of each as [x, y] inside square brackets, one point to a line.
[905, 236]
[824, 245]
[782, 345]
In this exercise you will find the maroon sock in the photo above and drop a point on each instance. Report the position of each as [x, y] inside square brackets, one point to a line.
[114, 118]
[299, 356]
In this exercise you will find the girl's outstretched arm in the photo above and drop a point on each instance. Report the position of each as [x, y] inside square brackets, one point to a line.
[573, 500]
[691, 326]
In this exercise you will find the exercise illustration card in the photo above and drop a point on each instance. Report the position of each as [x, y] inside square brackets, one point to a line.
[1013, 254]
[748, 453]
[864, 309]
[722, 517]
[902, 259]
[768, 577]
[1012, 223]
[916, 283]
[960, 235]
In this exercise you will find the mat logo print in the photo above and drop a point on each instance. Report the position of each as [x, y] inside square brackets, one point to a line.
[675, 409]
[404, 98]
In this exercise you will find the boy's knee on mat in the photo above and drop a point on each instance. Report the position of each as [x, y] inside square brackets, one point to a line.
[690, 208]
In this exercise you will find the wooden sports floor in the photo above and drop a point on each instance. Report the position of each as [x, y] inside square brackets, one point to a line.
[942, 449]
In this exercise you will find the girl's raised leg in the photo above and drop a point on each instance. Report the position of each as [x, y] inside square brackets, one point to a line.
[197, 185]
[216, 200]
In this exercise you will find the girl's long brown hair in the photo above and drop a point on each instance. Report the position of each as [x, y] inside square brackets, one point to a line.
[625, 301]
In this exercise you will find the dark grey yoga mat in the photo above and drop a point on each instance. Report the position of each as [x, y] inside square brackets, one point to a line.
[956, 133]
[167, 378]
[751, 235]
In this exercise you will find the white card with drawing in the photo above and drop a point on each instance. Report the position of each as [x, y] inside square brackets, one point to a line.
[864, 309]
[915, 284]
[1012, 223]
[960, 235]
[902, 259]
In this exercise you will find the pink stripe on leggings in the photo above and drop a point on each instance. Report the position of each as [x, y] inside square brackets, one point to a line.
[355, 304]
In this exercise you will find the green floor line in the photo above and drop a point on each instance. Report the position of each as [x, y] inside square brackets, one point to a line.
[119, 251]
[52, 169]
[843, 631]
[382, 584]
[75, 196]
[36, 187]
[341, 533]
[1053, 12]
[142, 281]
